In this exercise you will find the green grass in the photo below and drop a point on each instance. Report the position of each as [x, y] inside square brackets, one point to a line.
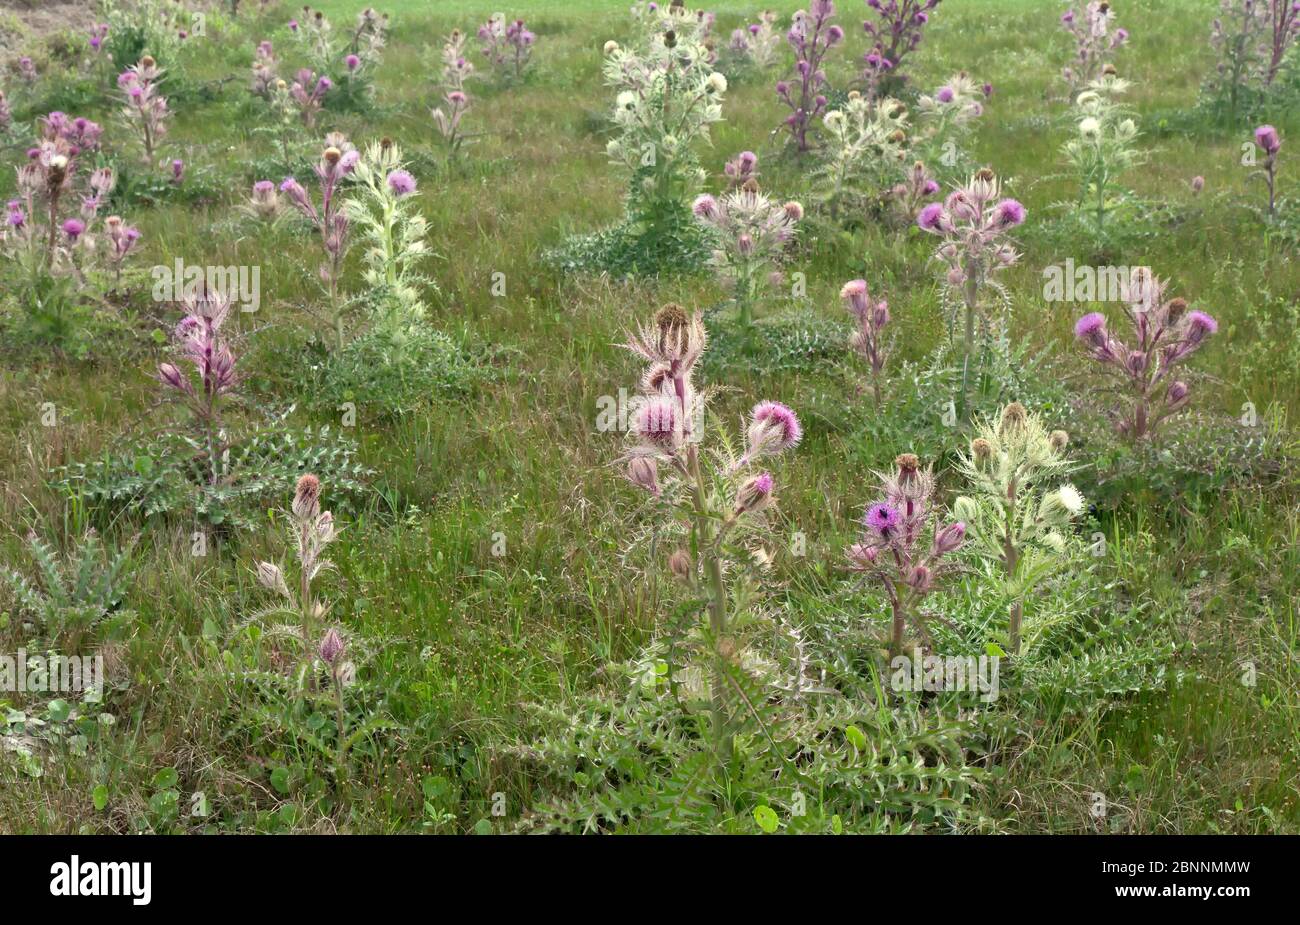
[465, 639]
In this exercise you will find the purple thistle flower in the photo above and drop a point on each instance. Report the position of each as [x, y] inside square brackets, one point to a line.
[331, 647]
[1087, 326]
[74, 228]
[1009, 213]
[930, 217]
[353, 62]
[401, 183]
[773, 428]
[1267, 138]
[882, 518]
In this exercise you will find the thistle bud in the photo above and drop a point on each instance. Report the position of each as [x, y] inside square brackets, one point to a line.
[1176, 309]
[331, 646]
[679, 563]
[907, 464]
[332, 155]
[1059, 440]
[643, 472]
[754, 495]
[1013, 417]
[949, 538]
[1176, 396]
[981, 450]
[269, 574]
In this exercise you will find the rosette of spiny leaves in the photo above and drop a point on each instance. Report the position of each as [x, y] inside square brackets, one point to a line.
[1102, 148]
[713, 497]
[866, 144]
[1020, 510]
[667, 96]
[384, 214]
[902, 547]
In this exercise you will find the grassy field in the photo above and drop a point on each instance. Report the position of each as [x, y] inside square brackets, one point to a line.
[498, 564]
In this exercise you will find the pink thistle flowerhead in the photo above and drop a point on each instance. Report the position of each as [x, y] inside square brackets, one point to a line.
[74, 228]
[643, 472]
[352, 62]
[944, 95]
[331, 646]
[773, 428]
[1267, 138]
[293, 25]
[745, 244]
[1198, 184]
[401, 183]
[178, 170]
[705, 207]
[658, 425]
[1008, 214]
[856, 297]
[1091, 329]
[949, 538]
[306, 498]
[754, 495]
[882, 518]
[931, 218]
[1177, 394]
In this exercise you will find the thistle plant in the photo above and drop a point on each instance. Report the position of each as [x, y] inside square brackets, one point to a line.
[203, 377]
[1164, 335]
[895, 33]
[947, 115]
[902, 546]
[667, 96]
[50, 226]
[506, 45]
[1101, 149]
[308, 94]
[811, 36]
[264, 203]
[1095, 42]
[456, 71]
[264, 70]
[1018, 513]
[866, 145]
[386, 219]
[870, 318]
[758, 43]
[311, 531]
[145, 109]
[973, 225]
[330, 220]
[714, 498]
[751, 231]
[1284, 26]
[1239, 37]
[1268, 141]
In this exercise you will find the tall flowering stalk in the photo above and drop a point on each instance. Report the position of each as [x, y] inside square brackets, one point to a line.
[902, 546]
[308, 94]
[506, 45]
[1019, 512]
[311, 531]
[973, 225]
[759, 42]
[1284, 26]
[716, 499]
[50, 226]
[456, 71]
[211, 377]
[330, 220]
[1268, 141]
[392, 233]
[1102, 148]
[1239, 36]
[751, 231]
[264, 69]
[811, 36]
[1165, 334]
[1095, 42]
[667, 96]
[145, 108]
[895, 33]
[866, 146]
[870, 319]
